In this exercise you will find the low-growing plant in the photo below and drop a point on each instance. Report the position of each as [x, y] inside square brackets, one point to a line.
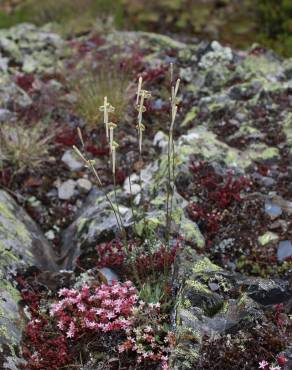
[23, 147]
[91, 89]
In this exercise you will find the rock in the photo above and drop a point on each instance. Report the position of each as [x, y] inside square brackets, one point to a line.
[4, 64]
[5, 115]
[218, 54]
[108, 276]
[272, 209]
[267, 238]
[206, 304]
[284, 250]
[134, 188]
[266, 291]
[50, 235]
[84, 185]
[35, 49]
[66, 189]
[160, 140]
[70, 159]
[95, 221]
[11, 95]
[21, 245]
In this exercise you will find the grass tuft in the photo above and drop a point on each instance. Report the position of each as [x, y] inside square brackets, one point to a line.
[91, 90]
[23, 147]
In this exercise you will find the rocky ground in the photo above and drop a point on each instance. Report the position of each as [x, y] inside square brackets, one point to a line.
[218, 294]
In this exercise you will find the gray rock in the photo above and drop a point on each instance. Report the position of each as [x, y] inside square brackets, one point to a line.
[35, 49]
[70, 159]
[95, 221]
[5, 115]
[84, 185]
[272, 209]
[284, 250]
[21, 245]
[66, 189]
[205, 306]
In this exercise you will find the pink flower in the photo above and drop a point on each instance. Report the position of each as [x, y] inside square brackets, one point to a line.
[275, 368]
[81, 307]
[263, 364]
[71, 331]
[110, 315]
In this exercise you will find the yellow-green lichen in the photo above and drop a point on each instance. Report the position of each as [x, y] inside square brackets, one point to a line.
[197, 286]
[267, 238]
[204, 265]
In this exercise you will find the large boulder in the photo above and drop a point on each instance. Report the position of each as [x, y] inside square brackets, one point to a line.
[21, 245]
[211, 301]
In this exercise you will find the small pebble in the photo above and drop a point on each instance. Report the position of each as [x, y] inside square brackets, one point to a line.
[284, 250]
[273, 210]
[66, 190]
[69, 158]
[84, 185]
[50, 235]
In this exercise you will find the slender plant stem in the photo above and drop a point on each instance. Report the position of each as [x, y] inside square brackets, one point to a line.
[106, 196]
[131, 203]
[168, 192]
[116, 200]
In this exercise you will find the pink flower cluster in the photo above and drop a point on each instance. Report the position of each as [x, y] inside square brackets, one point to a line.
[104, 308]
[147, 337]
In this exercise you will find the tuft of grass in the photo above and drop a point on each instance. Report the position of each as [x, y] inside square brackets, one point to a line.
[23, 147]
[91, 89]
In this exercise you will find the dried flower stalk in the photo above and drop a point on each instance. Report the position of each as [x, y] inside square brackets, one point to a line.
[106, 108]
[171, 154]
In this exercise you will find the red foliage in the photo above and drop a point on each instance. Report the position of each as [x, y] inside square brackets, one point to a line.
[217, 193]
[98, 151]
[111, 254]
[154, 74]
[67, 136]
[158, 261]
[120, 176]
[282, 360]
[208, 221]
[5, 176]
[278, 314]
[25, 81]
[116, 255]
[44, 349]
[220, 192]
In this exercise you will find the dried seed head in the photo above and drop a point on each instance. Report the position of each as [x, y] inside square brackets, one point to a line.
[106, 108]
[139, 89]
[111, 126]
[145, 93]
[143, 108]
[80, 136]
[176, 87]
[77, 151]
[140, 127]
